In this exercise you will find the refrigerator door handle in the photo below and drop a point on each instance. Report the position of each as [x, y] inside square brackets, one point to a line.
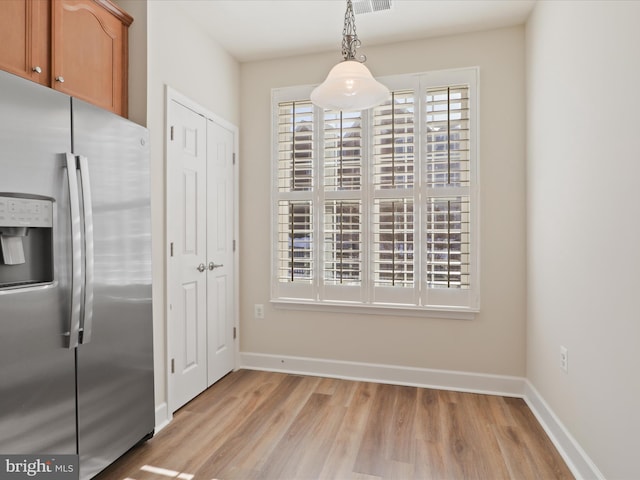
[87, 317]
[76, 254]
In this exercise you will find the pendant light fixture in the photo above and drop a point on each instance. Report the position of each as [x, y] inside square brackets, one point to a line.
[350, 85]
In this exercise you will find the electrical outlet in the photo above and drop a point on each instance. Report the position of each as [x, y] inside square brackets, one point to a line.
[564, 358]
[258, 310]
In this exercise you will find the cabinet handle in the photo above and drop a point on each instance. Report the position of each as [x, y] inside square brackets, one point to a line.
[60, 79]
[37, 69]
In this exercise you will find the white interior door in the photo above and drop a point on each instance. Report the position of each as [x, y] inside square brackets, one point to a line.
[187, 284]
[202, 288]
[220, 233]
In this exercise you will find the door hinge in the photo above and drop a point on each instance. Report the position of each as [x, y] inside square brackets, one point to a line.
[173, 365]
[235, 333]
[234, 245]
[171, 248]
[234, 158]
[171, 133]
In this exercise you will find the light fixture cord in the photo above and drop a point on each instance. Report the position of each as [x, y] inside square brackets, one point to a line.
[350, 40]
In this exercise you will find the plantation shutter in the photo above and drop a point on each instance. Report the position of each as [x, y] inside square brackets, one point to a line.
[343, 242]
[378, 208]
[392, 221]
[295, 255]
[342, 198]
[448, 272]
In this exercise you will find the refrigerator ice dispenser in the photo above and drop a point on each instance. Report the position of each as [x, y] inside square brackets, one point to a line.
[26, 253]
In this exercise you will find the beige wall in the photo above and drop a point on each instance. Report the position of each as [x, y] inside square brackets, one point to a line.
[583, 72]
[492, 343]
[183, 57]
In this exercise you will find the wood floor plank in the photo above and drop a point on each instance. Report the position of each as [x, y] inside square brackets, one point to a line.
[496, 408]
[402, 439]
[342, 456]
[188, 439]
[260, 431]
[480, 420]
[223, 418]
[343, 392]
[471, 448]
[430, 461]
[428, 415]
[362, 476]
[373, 453]
[515, 452]
[319, 444]
[303, 450]
[291, 447]
[273, 426]
[457, 446]
[548, 461]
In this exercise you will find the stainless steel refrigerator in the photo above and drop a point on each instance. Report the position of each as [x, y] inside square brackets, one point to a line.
[76, 360]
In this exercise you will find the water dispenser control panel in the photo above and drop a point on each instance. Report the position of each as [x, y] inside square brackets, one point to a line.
[26, 241]
[25, 212]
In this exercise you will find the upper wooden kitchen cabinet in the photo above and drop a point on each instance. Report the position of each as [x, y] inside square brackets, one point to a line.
[79, 47]
[90, 52]
[25, 36]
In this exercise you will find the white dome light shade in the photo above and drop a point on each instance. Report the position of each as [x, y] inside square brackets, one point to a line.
[349, 86]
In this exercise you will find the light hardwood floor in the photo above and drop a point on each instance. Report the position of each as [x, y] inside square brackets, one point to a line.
[263, 425]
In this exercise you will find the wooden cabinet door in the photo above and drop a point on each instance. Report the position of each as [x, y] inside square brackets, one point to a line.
[89, 52]
[24, 38]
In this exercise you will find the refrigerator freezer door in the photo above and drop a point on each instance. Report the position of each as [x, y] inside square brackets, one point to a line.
[37, 371]
[115, 367]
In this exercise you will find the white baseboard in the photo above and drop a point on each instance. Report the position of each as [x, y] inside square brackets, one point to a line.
[575, 457]
[162, 416]
[572, 453]
[411, 376]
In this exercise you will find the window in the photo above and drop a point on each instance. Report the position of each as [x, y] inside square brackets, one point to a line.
[377, 209]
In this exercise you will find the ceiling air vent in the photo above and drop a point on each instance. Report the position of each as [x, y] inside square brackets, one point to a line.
[370, 6]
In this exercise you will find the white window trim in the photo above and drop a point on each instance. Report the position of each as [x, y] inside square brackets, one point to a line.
[457, 313]
[280, 297]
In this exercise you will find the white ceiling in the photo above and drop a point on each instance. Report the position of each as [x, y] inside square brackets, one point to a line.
[263, 29]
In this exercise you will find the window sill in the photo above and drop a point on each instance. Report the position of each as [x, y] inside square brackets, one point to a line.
[456, 313]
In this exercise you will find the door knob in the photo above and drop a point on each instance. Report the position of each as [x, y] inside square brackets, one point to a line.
[201, 268]
[214, 265]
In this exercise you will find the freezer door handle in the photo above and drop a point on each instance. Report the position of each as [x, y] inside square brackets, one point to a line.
[87, 310]
[76, 254]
